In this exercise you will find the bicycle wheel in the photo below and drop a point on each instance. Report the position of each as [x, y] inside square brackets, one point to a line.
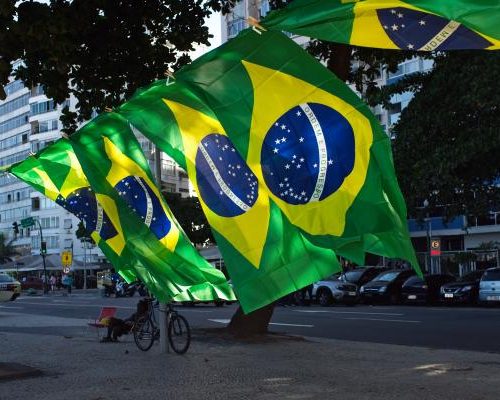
[144, 333]
[179, 333]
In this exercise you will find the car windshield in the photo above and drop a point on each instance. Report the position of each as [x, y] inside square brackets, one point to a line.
[353, 276]
[414, 280]
[387, 276]
[5, 278]
[493, 275]
[334, 277]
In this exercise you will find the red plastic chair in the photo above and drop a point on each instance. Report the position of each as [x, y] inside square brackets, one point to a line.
[106, 312]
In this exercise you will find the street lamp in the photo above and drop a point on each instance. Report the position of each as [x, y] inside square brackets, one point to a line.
[43, 252]
[428, 232]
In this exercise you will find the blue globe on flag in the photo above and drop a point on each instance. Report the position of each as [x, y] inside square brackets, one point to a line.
[416, 30]
[226, 184]
[83, 204]
[143, 201]
[307, 153]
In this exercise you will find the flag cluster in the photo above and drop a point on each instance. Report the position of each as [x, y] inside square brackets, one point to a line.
[291, 167]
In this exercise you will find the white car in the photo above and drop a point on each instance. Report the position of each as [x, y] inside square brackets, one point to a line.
[10, 289]
[332, 290]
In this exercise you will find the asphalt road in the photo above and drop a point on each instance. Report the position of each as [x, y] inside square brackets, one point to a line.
[463, 328]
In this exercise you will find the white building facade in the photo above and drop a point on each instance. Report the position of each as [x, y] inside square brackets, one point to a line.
[29, 121]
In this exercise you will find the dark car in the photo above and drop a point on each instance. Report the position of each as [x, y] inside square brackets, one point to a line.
[361, 275]
[385, 287]
[426, 290]
[31, 282]
[465, 290]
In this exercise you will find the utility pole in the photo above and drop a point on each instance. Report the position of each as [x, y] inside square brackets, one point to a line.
[163, 306]
[43, 252]
[85, 264]
[26, 223]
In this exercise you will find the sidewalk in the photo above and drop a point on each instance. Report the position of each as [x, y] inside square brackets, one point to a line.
[218, 368]
[62, 293]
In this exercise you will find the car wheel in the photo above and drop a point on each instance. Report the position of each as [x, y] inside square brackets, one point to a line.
[325, 298]
[394, 299]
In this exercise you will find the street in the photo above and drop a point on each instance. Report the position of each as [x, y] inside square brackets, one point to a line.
[459, 328]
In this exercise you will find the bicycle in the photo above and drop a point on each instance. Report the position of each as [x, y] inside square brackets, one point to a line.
[146, 329]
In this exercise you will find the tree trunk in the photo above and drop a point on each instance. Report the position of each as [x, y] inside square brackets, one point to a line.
[254, 323]
[257, 322]
[340, 60]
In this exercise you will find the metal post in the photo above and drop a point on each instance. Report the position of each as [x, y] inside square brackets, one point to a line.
[45, 289]
[163, 306]
[85, 264]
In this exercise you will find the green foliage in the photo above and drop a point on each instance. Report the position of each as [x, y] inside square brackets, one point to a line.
[6, 249]
[104, 49]
[448, 138]
[189, 214]
[82, 234]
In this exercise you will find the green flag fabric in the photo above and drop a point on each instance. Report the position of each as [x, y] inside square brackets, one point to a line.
[56, 173]
[265, 255]
[314, 146]
[115, 166]
[424, 25]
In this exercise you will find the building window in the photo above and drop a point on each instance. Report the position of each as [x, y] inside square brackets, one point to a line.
[35, 204]
[15, 104]
[14, 123]
[235, 26]
[42, 107]
[13, 87]
[68, 223]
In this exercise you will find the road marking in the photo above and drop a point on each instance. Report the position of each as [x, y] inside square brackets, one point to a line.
[299, 325]
[220, 321]
[79, 305]
[183, 310]
[384, 320]
[12, 307]
[348, 312]
[226, 321]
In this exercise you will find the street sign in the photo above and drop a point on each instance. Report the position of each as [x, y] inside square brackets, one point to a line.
[66, 258]
[66, 270]
[27, 222]
[435, 247]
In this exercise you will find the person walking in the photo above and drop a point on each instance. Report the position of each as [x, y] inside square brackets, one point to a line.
[67, 281]
[52, 281]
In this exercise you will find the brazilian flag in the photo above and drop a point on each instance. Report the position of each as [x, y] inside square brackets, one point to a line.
[56, 173]
[115, 166]
[419, 25]
[314, 146]
[266, 256]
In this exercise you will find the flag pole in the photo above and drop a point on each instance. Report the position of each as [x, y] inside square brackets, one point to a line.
[163, 306]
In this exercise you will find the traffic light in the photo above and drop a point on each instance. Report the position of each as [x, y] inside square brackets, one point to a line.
[43, 248]
[15, 226]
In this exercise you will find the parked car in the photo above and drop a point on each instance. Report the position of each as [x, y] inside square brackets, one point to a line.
[332, 290]
[32, 282]
[10, 289]
[361, 275]
[489, 286]
[385, 287]
[465, 290]
[426, 290]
